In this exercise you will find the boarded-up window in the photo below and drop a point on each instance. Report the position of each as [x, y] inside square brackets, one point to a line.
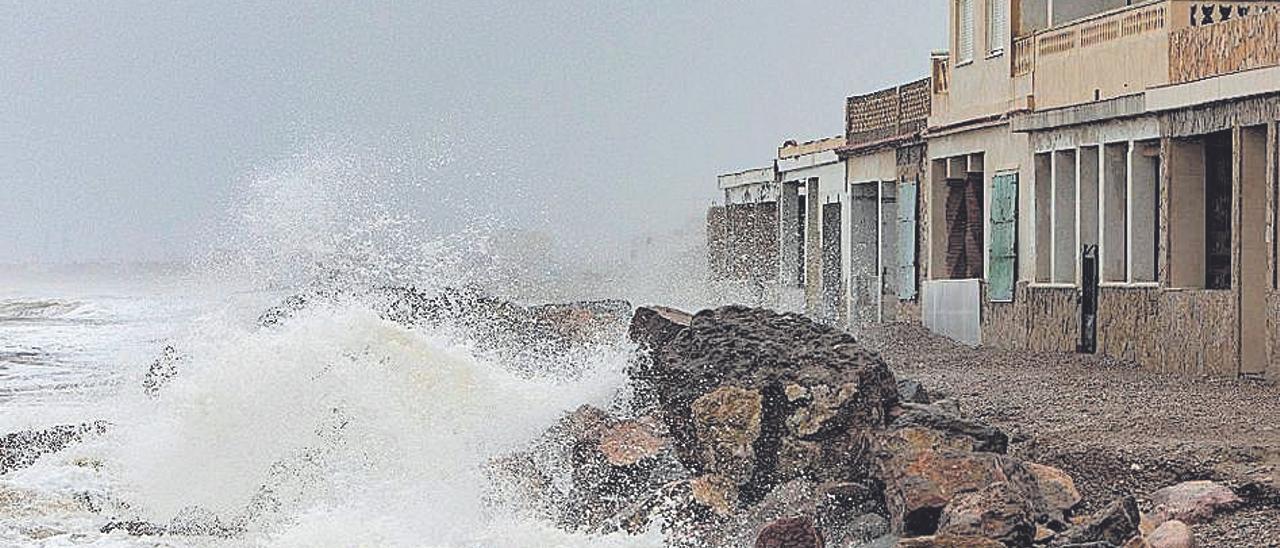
[1004, 236]
[997, 23]
[907, 240]
[964, 225]
[964, 30]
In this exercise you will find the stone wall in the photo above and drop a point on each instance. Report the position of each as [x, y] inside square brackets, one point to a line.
[742, 242]
[1187, 332]
[1040, 319]
[1190, 332]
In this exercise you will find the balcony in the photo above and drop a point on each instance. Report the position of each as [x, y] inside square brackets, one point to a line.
[1154, 43]
[888, 115]
[1220, 41]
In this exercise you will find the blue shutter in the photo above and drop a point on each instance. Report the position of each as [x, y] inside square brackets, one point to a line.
[907, 240]
[1004, 234]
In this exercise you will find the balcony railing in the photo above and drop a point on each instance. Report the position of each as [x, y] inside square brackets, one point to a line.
[1201, 14]
[1242, 42]
[941, 74]
[1024, 55]
[1103, 29]
[892, 113]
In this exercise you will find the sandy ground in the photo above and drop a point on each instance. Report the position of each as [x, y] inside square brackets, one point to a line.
[1115, 428]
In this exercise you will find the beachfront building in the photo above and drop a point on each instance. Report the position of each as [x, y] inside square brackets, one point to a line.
[1095, 175]
[1103, 178]
[812, 226]
[742, 230]
[884, 157]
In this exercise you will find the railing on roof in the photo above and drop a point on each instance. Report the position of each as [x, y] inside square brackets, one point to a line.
[897, 112]
[1243, 42]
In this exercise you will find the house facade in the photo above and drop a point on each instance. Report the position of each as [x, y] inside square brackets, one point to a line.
[1127, 178]
[1094, 175]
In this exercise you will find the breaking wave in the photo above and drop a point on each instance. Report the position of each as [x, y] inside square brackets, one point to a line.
[14, 310]
[337, 427]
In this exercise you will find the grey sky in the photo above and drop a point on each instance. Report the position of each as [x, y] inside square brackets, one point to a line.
[124, 126]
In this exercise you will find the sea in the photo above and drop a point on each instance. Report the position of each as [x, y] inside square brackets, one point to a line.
[421, 413]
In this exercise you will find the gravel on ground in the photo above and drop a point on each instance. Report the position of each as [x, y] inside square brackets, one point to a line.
[1117, 429]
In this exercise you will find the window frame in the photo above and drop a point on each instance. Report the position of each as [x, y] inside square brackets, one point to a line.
[997, 27]
[965, 20]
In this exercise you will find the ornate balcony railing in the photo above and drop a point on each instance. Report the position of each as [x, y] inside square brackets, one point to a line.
[1202, 14]
[1243, 42]
[1024, 55]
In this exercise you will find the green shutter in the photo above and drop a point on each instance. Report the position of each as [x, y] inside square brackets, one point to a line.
[907, 240]
[1004, 234]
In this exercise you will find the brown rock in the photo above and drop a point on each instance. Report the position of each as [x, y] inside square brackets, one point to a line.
[797, 532]
[687, 509]
[1193, 501]
[924, 469]
[1137, 542]
[998, 511]
[822, 396]
[1172, 534]
[715, 492]
[654, 326]
[630, 441]
[1115, 524]
[946, 541]
[821, 413]
[727, 424]
[1057, 490]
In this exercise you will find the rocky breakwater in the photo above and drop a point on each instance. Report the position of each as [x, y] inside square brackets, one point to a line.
[767, 429]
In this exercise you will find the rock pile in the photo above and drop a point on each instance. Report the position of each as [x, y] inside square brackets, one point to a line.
[770, 429]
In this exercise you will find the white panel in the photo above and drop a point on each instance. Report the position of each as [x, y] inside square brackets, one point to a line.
[952, 308]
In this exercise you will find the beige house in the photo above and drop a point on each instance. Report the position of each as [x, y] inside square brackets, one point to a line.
[1085, 175]
[1102, 177]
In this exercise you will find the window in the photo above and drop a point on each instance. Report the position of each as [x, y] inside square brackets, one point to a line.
[958, 189]
[964, 31]
[997, 23]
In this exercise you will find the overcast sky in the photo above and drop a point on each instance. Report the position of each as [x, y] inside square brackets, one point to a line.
[125, 127]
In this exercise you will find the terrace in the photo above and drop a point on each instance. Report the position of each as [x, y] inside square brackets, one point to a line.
[1131, 49]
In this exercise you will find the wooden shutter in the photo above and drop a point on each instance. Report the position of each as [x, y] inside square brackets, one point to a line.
[907, 240]
[964, 32]
[997, 17]
[1004, 237]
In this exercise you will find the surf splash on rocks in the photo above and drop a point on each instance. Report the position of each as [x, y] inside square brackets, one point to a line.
[357, 417]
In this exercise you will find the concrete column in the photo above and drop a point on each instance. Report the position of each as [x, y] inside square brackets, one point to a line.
[813, 249]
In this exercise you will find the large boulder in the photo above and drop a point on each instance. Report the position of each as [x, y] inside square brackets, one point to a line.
[608, 462]
[924, 469]
[690, 512]
[999, 511]
[796, 532]
[1193, 501]
[1172, 534]
[654, 326]
[984, 436]
[1115, 524]
[778, 396]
